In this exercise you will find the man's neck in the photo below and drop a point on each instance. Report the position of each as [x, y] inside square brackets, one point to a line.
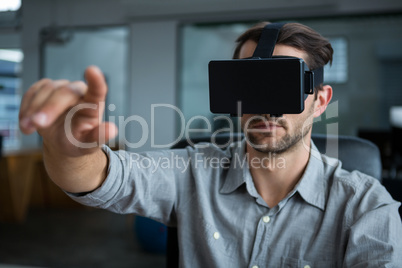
[275, 176]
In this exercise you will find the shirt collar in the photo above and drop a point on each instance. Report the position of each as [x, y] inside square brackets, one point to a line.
[238, 164]
[311, 187]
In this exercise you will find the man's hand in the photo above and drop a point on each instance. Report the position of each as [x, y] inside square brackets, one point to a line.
[46, 106]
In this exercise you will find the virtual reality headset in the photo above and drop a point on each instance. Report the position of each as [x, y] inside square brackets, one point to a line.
[262, 84]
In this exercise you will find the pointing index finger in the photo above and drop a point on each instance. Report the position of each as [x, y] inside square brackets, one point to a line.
[97, 87]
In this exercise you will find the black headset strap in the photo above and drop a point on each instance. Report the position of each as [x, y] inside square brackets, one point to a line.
[266, 45]
[268, 38]
[318, 76]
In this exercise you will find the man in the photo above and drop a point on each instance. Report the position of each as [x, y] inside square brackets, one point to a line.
[263, 202]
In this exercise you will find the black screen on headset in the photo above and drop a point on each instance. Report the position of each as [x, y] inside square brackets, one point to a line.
[262, 86]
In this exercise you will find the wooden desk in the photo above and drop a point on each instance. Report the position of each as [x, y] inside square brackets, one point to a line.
[24, 183]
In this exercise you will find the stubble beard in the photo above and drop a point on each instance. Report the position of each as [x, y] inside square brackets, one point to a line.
[285, 144]
[277, 147]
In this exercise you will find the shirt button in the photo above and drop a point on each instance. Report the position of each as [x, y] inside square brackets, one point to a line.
[217, 235]
[307, 266]
[255, 266]
[266, 219]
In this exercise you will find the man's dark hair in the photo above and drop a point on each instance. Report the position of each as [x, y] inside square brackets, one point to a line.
[319, 50]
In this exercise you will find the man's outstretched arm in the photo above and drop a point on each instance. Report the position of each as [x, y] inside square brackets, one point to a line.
[68, 116]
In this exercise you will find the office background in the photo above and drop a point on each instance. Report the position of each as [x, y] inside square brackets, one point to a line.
[156, 52]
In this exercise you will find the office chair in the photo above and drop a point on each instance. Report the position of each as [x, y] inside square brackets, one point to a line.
[355, 154]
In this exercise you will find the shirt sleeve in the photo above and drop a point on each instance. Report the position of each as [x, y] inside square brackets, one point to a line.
[375, 227]
[146, 184]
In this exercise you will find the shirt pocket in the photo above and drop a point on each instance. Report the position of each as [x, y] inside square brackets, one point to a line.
[299, 263]
[220, 243]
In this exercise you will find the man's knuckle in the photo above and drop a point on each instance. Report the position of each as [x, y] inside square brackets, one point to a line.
[64, 90]
[47, 82]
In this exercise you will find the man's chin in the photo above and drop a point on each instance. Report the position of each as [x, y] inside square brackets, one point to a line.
[273, 145]
[269, 149]
[266, 145]
[259, 140]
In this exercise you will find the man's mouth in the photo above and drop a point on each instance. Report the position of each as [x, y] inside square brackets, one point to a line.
[264, 126]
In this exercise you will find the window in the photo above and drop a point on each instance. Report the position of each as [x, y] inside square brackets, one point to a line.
[10, 5]
[69, 51]
[10, 70]
[338, 71]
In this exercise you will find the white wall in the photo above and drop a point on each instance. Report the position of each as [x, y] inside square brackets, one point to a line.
[153, 81]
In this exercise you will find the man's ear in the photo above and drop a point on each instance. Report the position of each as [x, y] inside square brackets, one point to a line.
[324, 96]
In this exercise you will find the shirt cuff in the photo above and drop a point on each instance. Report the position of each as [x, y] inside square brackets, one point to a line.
[110, 186]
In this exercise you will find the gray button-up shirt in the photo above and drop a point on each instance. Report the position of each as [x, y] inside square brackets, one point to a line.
[332, 218]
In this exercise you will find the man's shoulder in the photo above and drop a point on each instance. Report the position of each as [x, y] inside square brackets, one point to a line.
[358, 188]
[355, 180]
